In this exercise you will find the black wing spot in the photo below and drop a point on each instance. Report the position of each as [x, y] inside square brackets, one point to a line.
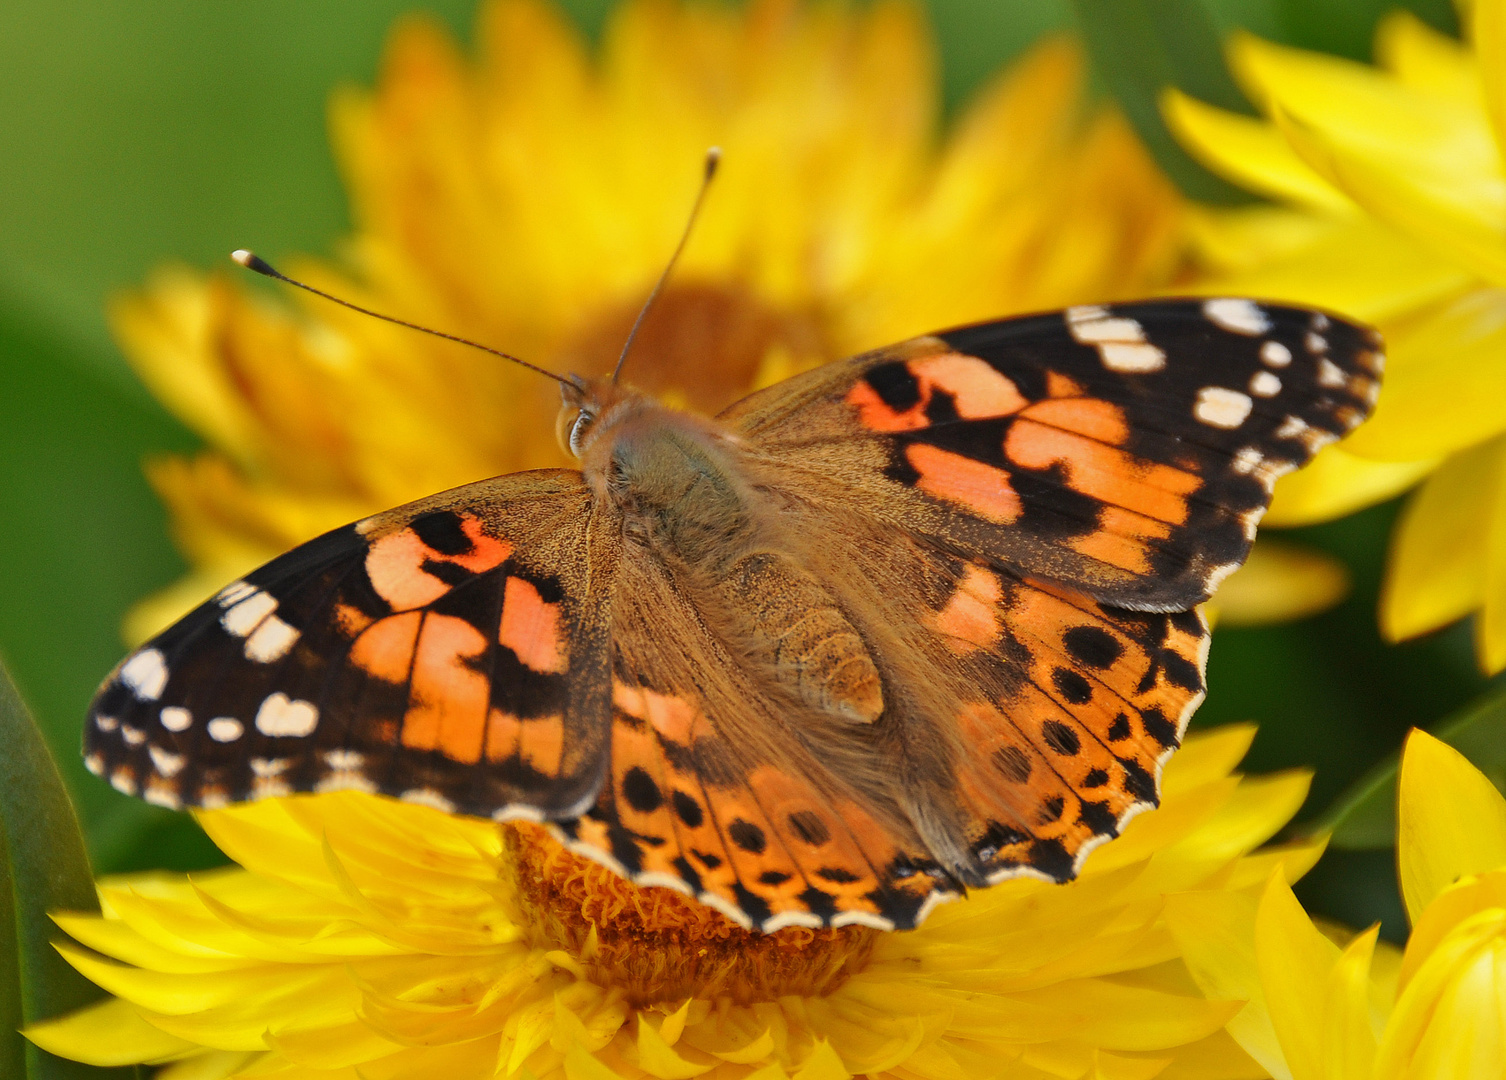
[1095, 779]
[1180, 671]
[773, 877]
[641, 792]
[1072, 686]
[747, 836]
[1139, 783]
[1050, 858]
[1120, 728]
[688, 809]
[441, 532]
[809, 827]
[707, 859]
[1098, 817]
[1093, 645]
[1061, 738]
[895, 385]
[1160, 728]
[1051, 809]
[1189, 622]
[836, 875]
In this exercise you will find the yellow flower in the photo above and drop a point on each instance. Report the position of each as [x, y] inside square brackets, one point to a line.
[375, 939]
[1320, 1010]
[529, 200]
[1393, 210]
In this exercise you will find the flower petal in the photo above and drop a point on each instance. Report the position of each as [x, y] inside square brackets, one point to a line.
[1294, 960]
[1452, 821]
[1281, 582]
[109, 1033]
[1336, 483]
[1440, 541]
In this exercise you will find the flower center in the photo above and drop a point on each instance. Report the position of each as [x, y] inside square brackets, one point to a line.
[658, 945]
[705, 343]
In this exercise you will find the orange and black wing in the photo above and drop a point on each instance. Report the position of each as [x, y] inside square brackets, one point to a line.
[452, 652]
[1126, 451]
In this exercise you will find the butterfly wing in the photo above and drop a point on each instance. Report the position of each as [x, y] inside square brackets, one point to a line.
[1125, 451]
[1022, 517]
[393, 655]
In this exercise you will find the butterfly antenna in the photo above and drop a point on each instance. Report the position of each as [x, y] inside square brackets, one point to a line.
[713, 158]
[252, 261]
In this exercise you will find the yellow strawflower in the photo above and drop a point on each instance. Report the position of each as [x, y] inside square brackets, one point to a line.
[1392, 209]
[529, 200]
[1321, 1011]
[367, 939]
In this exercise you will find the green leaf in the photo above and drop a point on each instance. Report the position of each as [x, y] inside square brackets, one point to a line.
[1365, 815]
[1141, 47]
[47, 870]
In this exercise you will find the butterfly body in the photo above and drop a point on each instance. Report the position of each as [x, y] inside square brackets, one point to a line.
[917, 620]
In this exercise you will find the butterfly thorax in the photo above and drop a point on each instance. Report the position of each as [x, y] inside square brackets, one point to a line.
[684, 491]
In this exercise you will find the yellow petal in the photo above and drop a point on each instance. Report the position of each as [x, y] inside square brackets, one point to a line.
[1440, 542]
[1215, 932]
[1489, 38]
[1250, 152]
[1451, 821]
[110, 1033]
[1444, 381]
[1452, 906]
[1336, 483]
[1349, 1041]
[1294, 961]
[1460, 221]
[1427, 60]
[215, 1065]
[1280, 582]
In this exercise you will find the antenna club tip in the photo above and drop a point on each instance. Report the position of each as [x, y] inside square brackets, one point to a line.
[252, 261]
[713, 159]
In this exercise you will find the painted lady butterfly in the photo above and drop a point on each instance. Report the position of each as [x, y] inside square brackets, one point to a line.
[919, 620]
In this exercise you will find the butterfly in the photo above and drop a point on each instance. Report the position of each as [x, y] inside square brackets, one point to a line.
[908, 623]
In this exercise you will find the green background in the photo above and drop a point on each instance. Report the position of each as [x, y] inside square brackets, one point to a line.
[138, 131]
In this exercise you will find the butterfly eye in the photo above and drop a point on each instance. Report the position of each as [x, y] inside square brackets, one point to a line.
[579, 430]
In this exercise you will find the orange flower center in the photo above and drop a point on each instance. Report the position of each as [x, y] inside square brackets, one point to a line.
[656, 944]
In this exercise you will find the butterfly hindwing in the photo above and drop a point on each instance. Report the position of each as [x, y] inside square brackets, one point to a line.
[1126, 451]
[446, 652]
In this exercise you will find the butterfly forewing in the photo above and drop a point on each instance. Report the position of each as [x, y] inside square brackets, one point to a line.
[449, 652]
[1125, 450]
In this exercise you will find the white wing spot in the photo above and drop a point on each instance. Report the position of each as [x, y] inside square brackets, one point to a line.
[1264, 384]
[133, 736]
[95, 763]
[1236, 315]
[1247, 460]
[428, 797]
[166, 762]
[224, 729]
[145, 674]
[1132, 357]
[106, 723]
[271, 640]
[1218, 406]
[1291, 428]
[176, 718]
[247, 615]
[1316, 343]
[123, 780]
[1330, 374]
[344, 759]
[234, 593]
[164, 795]
[1319, 321]
[1120, 341]
[269, 787]
[280, 716]
[262, 766]
[212, 798]
[1275, 354]
[345, 780]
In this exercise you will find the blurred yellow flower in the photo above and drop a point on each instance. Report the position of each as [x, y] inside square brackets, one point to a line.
[369, 938]
[1393, 210]
[530, 199]
[1321, 1011]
